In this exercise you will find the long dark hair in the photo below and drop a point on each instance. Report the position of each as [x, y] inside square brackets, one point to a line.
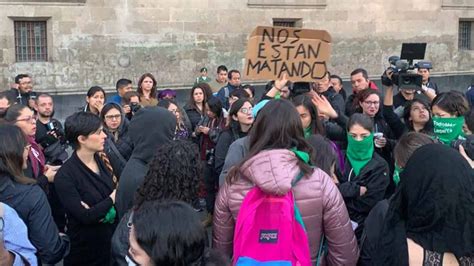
[215, 106]
[316, 124]
[176, 238]
[325, 156]
[233, 125]
[428, 128]
[191, 102]
[153, 89]
[11, 153]
[173, 174]
[13, 112]
[278, 126]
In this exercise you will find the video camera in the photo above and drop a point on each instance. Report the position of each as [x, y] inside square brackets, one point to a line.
[403, 69]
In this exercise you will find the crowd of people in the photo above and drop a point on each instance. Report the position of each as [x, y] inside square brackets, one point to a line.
[303, 175]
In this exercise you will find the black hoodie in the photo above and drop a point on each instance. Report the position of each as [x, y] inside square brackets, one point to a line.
[150, 128]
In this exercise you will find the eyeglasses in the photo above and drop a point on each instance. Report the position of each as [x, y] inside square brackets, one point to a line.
[369, 103]
[32, 118]
[113, 117]
[246, 111]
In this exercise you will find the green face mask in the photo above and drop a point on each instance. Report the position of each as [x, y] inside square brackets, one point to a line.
[448, 129]
[359, 152]
[396, 174]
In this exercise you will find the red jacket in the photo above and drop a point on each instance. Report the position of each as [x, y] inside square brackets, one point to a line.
[318, 199]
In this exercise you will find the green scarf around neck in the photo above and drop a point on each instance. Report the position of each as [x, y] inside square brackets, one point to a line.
[448, 129]
[308, 132]
[396, 174]
[303, 156]
[359, 153]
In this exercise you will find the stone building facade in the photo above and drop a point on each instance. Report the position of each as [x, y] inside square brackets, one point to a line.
[96, 42]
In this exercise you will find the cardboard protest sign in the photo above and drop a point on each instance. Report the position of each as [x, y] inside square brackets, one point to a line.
[301, 53]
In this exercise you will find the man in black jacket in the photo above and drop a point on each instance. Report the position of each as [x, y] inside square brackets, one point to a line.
[23, 93]
[323, 87]
[360, 81]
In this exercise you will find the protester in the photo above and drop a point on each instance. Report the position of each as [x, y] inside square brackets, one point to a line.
[177, 239]
[405, 148]
[167, 94]
[196, 106]
[86, 189]
[250, 91]
[95, 100]
[431, 217]
[5, 102]
[336, 83]
[208, 131]
[448, 110]
[416, 116]
[118, 146]
[29, 201]
[174, 174]
[122, 86]
[277, 89]
[182, 131]
[37, 169]
[147, 90]
[240, 121]
[368, 103]
[309, 116]
[146, 136]
[365, 178]
[271, 165]
[236, 95]
[49, 131]
[323, 87]
[15, 247]
[325, 158]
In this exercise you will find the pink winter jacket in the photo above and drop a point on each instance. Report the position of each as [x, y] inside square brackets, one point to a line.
[318, 199]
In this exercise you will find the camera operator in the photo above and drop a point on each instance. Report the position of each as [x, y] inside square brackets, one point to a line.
[424, 69]
[122, 86]
[406, 95]
[131, 104]
[49, 131]
[23, 93]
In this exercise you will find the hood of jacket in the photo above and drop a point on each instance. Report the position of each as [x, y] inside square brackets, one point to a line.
[150, 128]
[272, 170]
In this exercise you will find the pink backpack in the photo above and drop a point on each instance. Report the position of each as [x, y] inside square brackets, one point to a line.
[270, 231]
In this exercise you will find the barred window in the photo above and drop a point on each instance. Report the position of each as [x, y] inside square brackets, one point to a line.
[465, 32]
[287, 22]
[30, 41]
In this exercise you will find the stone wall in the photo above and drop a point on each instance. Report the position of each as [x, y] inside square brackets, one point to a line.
[96, 42]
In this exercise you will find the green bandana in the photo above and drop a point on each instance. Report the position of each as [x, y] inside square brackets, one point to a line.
[110, 216]
[308, 132]
[359, 153]
[278, 96]
[396, 174]
[303, 156]
[448, 129]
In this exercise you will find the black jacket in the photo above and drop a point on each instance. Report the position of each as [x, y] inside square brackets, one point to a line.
[90, 237]
[375, 177]
[336, 100]
[194, 116]
[30, 202]
[226, 138]
[372, 230]
[54, 148]
[150, 128]
[120, 244]
[350, 110]
[119, 151]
